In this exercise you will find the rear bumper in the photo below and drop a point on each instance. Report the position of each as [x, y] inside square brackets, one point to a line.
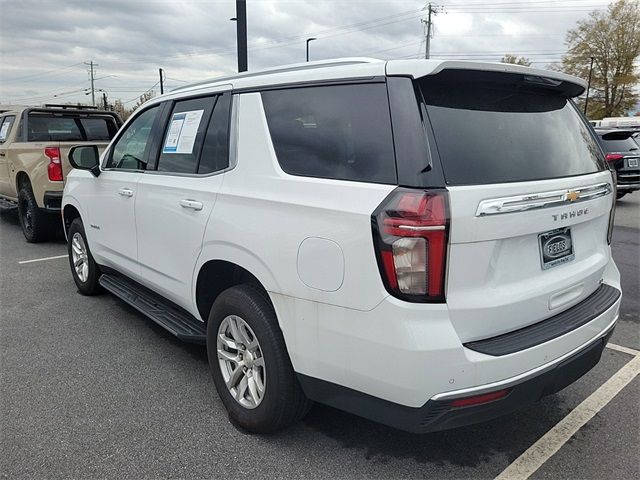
[439, 413]
[53, 201]
[628, 180]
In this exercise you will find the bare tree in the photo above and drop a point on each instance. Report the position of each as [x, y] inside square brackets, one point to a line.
[144, 98]
[612, 40]
[510, 58]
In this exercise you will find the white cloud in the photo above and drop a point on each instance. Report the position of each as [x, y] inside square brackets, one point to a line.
[43, 44]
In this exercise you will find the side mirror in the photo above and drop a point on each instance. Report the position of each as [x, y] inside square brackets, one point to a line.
[85, 157]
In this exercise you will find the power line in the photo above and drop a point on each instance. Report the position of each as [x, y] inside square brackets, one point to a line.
[46, 72]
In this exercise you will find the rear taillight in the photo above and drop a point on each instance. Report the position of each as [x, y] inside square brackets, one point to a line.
[54, 169]
[410, 233]
[614, 199]
[612, 157]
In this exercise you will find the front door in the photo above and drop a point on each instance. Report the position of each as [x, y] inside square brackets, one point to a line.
[112, 226]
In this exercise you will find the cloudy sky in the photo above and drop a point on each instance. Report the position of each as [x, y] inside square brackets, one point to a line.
[44, 44]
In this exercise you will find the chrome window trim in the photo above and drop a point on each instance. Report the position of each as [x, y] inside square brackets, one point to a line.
[554, 198]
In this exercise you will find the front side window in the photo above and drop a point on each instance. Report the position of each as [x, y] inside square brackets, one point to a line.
[130, 151]
[184, 135]
[341, 132]
[5, 127]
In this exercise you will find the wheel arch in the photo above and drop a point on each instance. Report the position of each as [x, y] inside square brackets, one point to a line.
[217, 275]
[70, 211]
[22, 177]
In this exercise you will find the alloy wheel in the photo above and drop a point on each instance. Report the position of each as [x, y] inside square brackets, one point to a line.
[80, 257]
[241, 361]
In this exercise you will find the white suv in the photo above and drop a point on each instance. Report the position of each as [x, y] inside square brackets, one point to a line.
[423, 243]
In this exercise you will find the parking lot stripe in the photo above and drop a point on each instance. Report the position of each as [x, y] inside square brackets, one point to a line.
[538, 453]
[620, 348]
[22, 262]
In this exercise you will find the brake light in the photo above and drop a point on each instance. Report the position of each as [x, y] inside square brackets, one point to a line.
[54, 169]
[480, 399]
[410, 233]
[612, 212]
[612, 157]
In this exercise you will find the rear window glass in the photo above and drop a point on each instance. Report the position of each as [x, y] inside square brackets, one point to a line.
[619, 145]
[46, 128]
[339, 132]
[502, 131]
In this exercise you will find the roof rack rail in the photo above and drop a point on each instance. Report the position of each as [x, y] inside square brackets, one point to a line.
[70, 107]
[334, 62]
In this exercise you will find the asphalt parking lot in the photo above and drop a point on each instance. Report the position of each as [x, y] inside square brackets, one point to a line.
[91, 389]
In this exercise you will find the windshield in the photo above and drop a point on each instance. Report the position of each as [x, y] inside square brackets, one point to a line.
[501, 130]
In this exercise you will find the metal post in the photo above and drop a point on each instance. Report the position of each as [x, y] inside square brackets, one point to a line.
[309, 40]
[586, 100]
[161, 81]
[241, 29]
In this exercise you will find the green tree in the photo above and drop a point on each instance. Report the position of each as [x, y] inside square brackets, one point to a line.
[612, 40]
[510, 58]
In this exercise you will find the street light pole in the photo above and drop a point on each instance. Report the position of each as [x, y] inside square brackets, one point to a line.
[241, 30]
[586, 100]
[309, 40]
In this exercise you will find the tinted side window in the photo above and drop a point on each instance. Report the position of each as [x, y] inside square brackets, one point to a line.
[215, 151]
[184, 135]
[5, 127]
[130, 150]
[340, 132]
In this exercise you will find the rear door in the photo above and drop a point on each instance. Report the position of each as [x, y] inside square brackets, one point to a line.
[530, 200]
[176, 198]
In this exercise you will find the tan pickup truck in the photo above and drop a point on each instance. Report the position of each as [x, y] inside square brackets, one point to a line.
[34, 143]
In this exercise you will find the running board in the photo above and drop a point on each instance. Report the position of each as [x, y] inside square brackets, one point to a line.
[7, 205]
[171, 317]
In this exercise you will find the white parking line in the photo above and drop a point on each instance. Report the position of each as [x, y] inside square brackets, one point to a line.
[22, 262]
[538, 453]
[620, 348]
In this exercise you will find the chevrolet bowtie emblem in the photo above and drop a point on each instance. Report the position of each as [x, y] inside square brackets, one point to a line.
[572, 195]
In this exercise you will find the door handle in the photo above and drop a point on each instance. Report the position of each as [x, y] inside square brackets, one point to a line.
[192, 204]
[126, 192]
[2, 154]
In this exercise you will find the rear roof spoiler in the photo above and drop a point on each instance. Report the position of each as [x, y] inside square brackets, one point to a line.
[568, 85]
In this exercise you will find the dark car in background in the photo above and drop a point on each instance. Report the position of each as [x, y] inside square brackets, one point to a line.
[623, 155]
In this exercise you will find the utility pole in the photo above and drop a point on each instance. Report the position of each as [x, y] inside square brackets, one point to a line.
[93, 91]
[429, 27]
[161, 81]
[586, 100]
[241, 30]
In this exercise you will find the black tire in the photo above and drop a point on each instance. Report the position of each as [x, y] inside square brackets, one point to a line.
[283, 402]
[37, 226]
[90, 286]
[619, 195]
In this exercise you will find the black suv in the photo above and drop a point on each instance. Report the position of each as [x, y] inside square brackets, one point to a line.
[623, 155]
